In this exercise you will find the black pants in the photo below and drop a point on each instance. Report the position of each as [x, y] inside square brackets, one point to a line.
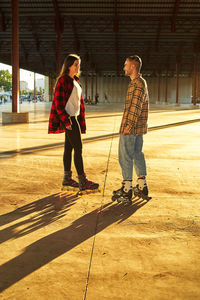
[73, 141]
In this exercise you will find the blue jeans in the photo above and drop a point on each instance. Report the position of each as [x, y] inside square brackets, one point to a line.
[131, 155]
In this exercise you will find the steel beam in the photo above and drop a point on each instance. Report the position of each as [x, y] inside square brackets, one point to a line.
[2, 22]
[175, 14]
[25, 53]
[158, 35]
[116, 31]
[59, 28]
[76, 39]
[37, 44]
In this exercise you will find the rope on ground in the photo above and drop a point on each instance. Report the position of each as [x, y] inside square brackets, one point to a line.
[99, 211]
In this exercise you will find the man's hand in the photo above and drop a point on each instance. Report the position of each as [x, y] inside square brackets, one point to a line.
[126, 132]
[69, 127]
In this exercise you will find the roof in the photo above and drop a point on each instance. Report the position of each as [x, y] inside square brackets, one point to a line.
[104, 33]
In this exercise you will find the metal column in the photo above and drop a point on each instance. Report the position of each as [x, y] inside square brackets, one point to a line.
[58, 54]
[34, 88]
[177, 78]
[86, 76]
[92, 85]
[166, 83]
[195, 79]
[159, 79]
[15, 56]
[96, 84]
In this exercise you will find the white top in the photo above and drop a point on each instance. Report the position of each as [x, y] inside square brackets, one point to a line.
[72, 106]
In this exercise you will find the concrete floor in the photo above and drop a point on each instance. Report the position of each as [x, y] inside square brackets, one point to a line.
[58, 246]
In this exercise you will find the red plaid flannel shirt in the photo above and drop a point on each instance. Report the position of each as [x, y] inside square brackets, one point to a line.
[59, 118]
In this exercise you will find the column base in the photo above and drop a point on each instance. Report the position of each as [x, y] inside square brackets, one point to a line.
[14, 117]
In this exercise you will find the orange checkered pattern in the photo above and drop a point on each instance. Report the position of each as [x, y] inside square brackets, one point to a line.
[136, 107]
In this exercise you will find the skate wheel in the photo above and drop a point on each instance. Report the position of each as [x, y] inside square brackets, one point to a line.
[113, 198]
[87, 192]
[127, 203]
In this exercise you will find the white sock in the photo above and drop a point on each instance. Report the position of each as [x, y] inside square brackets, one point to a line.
[127, 185]
[142, 182]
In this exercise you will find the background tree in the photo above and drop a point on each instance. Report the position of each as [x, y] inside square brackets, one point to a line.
[5, 80]
[40, 91]
[24, 92]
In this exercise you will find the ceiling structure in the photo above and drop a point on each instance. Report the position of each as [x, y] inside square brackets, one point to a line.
[104, 33]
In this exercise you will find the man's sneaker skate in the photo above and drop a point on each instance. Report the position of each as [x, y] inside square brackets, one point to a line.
[141, 189]
[86, 186]
[68, 183]
[119, 190]
[121, 196]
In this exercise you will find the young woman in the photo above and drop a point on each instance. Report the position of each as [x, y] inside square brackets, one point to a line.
[68, 115]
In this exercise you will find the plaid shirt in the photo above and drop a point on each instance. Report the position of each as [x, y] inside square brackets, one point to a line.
[136, 107]
[59, 118]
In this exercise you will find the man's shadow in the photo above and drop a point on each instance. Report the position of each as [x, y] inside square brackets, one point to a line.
[52, 246]
[42, 212]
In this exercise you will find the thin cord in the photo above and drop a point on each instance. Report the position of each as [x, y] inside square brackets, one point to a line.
[104, 186]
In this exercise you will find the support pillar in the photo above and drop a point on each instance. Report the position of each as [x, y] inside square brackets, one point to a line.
[178, 61]
[195, 79]
[86, 77]
[14, 116]
[159, 80]
[166, 83]
[34, 88]
[92, 85]
[15, 56]
[58, 54]
[59, 28]
[50, 88]
[96, 84]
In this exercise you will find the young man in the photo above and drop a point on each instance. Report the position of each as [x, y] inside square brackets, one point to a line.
[133, 126]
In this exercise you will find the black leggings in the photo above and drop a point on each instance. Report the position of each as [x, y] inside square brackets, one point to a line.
[73, 141]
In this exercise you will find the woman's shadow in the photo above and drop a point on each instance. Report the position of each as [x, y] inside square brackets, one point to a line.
[52, 246]
[40, 213]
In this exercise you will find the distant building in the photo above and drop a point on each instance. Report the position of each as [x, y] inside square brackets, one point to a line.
[40, 83]
[23, 86]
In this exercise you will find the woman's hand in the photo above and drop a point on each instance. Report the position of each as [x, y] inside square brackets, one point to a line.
[69, 127]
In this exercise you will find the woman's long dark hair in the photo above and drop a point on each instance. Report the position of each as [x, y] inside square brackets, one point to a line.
[68, 62]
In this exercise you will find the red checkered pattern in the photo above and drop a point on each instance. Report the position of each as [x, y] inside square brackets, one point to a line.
[59, 118]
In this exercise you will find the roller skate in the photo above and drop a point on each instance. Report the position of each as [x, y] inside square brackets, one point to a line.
[86, 186]
[141, 189]
[69, 184]
[124, 194]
